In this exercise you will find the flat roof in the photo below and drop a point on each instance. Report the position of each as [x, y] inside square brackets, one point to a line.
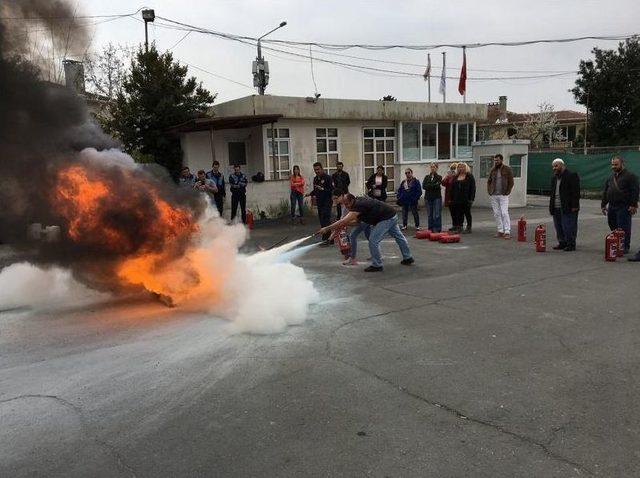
[292, 107]
[227, 122]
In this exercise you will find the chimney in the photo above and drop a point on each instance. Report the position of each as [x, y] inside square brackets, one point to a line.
[503, 107]
[74, 75]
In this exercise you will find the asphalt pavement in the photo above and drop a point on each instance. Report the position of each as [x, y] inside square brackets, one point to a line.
[483, 359]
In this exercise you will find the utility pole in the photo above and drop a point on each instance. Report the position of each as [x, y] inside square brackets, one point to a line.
[261, 67]
[586, 125]
[147, 16]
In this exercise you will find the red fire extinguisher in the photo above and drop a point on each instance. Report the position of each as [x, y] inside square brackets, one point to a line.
[541, 238]
[343, 242]
[522, 229]
[611, 247]
[619, 233]
[249, 219]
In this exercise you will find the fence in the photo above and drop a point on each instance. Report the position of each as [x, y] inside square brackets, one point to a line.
[593, 169]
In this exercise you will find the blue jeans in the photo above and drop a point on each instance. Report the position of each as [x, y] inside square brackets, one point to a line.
[566, 224]
[619, 217]
[434, 214]
[296, 198]
[353, 237]
[390, 226]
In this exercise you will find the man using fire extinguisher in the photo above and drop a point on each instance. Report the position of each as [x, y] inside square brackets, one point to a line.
[564, 204]
[620, 199]
[383, 220]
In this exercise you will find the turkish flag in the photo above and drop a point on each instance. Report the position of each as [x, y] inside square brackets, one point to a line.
[462, 85]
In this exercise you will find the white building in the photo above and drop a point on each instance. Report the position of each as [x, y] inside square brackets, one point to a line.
[363, 134]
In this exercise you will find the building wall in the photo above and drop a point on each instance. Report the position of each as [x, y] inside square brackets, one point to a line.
[518, 197]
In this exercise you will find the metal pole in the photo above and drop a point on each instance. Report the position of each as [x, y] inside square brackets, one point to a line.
[444, 73]
[146, 38]
[261, 85]
[464, 55]
[586, 125]
[429, 76]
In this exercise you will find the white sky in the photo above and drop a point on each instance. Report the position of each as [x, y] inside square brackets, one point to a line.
[382, 22]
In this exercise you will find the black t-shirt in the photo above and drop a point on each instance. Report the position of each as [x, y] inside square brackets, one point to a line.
[372, 211]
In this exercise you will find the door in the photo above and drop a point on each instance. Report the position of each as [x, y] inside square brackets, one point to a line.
[379, 149]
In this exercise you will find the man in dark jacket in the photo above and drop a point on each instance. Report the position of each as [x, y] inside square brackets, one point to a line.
[564, 204]
[238, 188]
[322, 191]
[433, 198]
[217, 177]
[620, 199]
[341, 181]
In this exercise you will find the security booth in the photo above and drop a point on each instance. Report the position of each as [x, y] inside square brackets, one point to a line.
[515, 153]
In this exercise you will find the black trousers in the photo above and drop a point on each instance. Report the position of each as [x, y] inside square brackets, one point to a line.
[339, 211]
[239, 199]
[414, 211]
[219, 200]
[458, 213]
[324, 215]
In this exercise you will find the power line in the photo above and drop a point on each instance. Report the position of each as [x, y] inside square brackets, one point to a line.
[173, 24]
[409, 47]
[75, 17]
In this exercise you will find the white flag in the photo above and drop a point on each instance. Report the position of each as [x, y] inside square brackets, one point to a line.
[443, 78]
[427, 71]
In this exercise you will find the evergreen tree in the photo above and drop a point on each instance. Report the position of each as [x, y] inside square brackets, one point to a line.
[156, 94]
[609, 86]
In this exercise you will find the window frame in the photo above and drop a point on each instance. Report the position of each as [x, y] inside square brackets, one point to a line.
[453, 136]
[328, 169]
[519, 167]
[282, 173]
[367, 170]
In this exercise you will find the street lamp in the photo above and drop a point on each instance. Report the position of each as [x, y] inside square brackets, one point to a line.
[147, 16]
[260, 67]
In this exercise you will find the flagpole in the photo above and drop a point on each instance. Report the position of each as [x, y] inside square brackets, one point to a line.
[464, 54]
[429, 75]
[444, 69]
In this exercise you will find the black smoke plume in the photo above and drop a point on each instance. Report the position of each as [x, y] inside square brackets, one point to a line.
[43, 128]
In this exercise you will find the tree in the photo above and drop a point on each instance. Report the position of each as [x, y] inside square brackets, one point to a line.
[388, 98]
[156, 94]
[541, 127]
[105, 71]
[609, 86]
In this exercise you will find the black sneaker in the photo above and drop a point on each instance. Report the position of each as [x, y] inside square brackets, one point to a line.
[570, 248]
[635, 258]
[559, 247]
[373, 269]
[407, 262]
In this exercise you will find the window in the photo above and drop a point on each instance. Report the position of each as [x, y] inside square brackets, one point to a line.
[411, 141]
[327, 148]
[464, 140]
[278, 148]
[429, 140]
[486, 163]
[237, 153]
[379, 149]
[515, 162]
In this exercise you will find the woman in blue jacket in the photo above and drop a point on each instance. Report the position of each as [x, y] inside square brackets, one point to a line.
[409, 193]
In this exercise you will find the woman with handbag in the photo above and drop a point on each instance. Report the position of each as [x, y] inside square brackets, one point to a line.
[377, 185]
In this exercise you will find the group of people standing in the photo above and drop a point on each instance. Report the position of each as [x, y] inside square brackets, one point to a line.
[213, 184]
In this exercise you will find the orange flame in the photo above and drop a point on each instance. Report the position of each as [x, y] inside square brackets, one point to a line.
[154, 258]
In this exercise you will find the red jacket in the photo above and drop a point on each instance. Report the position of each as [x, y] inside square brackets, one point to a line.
[446, 182]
